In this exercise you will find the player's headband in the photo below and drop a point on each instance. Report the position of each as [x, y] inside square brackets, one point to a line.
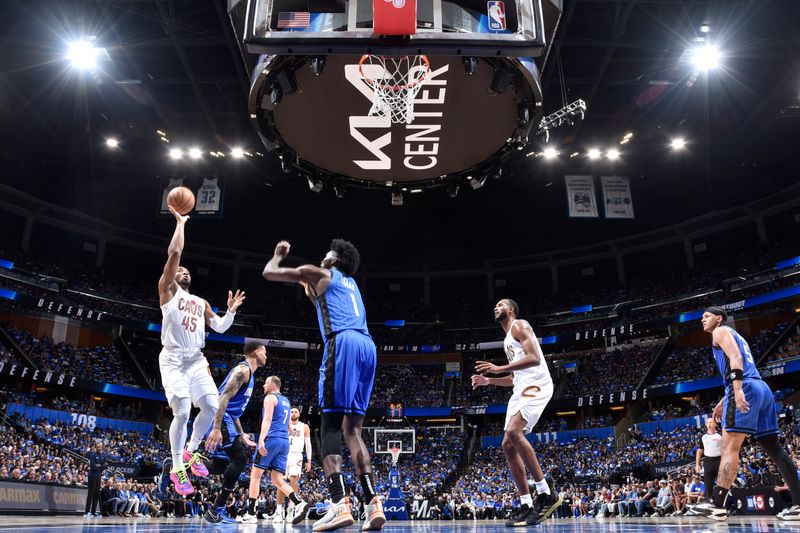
[718, 311]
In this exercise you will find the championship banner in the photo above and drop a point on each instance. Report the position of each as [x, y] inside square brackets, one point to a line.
[617, 197]
[580, 196]
[41, 498]
[208, 193]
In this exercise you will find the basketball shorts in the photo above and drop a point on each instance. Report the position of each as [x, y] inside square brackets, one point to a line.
[185, 377]
[277, 454]
[530, 402]
[347, 373]
[760, 420]
[229, 433]
[294, 464]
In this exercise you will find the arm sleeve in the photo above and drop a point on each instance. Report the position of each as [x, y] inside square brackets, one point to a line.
[221, 325]
[308, 449]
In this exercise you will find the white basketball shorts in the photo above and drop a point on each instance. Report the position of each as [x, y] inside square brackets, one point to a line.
[185, 376]
[529, 401]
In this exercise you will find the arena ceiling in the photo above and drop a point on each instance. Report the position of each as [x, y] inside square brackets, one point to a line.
[173, 66]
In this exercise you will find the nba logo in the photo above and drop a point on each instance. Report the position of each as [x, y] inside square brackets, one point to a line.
[497, 15]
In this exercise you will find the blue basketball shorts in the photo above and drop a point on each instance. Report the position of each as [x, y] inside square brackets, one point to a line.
[229, 436]
[277, 454]
[347, 373]
[760, 420]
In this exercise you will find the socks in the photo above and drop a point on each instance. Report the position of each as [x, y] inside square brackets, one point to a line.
[294, 499]
[251, 505]
[720, 497]
[368, 485]
[336, 486]
[177, 460]
[222, 497]
[526, 499]
[542, 487]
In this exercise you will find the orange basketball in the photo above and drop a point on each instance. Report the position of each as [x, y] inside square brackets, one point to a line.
[181, 199]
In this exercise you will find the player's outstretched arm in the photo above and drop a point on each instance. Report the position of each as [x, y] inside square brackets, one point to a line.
[239, 375]
[273, 271]
[221, 324]
[307, 436]
[173, 258]
[482, 381]
[269, 408]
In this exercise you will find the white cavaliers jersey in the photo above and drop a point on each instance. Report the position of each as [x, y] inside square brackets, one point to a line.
[535, 375]
[183, 326]
[297, 438]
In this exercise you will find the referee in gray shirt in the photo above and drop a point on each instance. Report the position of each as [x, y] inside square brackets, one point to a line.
[710, 450]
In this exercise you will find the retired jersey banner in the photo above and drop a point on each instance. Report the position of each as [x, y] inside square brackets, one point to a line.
[617, 197]
[208, 192]
[580, 196]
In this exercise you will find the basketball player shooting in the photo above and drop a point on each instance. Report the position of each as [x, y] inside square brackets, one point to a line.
[345, 376]
[185, 375]
[747, 408]
[533, 388]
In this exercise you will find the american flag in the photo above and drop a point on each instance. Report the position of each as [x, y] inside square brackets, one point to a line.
[293, 19]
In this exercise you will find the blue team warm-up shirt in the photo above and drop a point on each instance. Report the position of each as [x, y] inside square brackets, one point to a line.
[277, 439]
[349, 359]
[236, 405]
[761, 419]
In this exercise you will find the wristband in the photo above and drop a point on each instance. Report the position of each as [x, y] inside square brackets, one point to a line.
[735, 373]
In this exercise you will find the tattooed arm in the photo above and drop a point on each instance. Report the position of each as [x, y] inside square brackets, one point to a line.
[238, 377]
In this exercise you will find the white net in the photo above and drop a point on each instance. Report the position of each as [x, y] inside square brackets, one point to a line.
[395, 80]
[395, 452]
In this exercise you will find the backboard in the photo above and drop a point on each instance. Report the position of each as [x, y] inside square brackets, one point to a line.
[447, 27]
[404, 438]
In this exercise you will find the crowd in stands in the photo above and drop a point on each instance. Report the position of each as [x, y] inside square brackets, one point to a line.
[788, 349]
[98, 363]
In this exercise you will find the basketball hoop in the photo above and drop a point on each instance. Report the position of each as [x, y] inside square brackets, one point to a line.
[395, 451]
[395, 89]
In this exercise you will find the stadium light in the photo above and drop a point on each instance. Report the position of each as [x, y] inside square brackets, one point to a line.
[594, 153]
[550, 153]
[195, 153]
[83, 54]
[175, 154]
[612, 154]
[237, 152]
[678, 143]
[112, 143]
[705, 58]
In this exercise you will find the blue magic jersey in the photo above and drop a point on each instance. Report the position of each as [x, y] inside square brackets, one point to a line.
[340, 307]
[238, 402]
[748, 363]
[279, 427]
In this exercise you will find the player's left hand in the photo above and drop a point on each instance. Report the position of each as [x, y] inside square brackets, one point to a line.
[213, 440]
[485, 367]
[308, 467]
[262, 450]
[250, 443]
[235, 300]
[741, 403]
[479, 381]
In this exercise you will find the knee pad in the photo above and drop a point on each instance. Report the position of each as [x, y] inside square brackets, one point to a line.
[331, 434]
[181, 407]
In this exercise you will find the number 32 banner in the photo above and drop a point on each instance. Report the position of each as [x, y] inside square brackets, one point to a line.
[209, 193]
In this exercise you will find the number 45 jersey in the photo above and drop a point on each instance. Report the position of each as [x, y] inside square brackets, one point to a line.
[183, 326]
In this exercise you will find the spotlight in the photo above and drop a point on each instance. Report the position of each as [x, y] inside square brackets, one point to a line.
[83, 54]
[550, 152]
[452, 189]
[594, 153]
[496, 173]
[318, 65]
[705, 58]
[501, 78]
[678, 143]
[237, 152]
[476, 183]
[315, 184]
[470, 65]
[612, 154]
[397, 195]
[176, 153]
[112, 143]
[195, 153]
